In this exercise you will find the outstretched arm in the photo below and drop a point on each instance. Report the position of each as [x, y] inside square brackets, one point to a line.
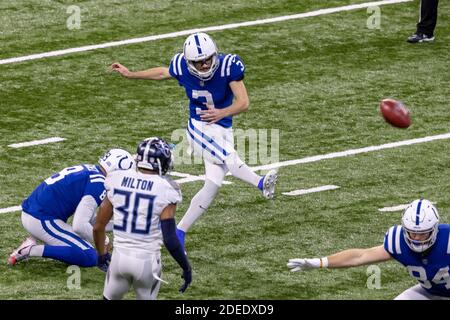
[158, 73]
[344, 259]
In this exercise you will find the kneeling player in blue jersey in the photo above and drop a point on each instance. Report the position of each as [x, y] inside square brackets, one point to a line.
[215, 88]
[77, 191]
[421, 244]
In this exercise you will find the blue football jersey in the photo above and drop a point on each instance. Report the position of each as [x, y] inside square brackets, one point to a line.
[58, 196]
[430, 270]
[215, 91]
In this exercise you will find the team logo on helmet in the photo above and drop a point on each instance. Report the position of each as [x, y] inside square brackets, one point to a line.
[116, 159]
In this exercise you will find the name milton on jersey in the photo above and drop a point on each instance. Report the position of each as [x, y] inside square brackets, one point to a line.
[140, 184]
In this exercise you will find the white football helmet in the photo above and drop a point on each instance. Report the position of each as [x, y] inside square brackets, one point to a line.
[198, 47]
[116, 159]
[420, 218]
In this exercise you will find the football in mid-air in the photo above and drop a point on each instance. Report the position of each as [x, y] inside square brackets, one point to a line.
[395, 113]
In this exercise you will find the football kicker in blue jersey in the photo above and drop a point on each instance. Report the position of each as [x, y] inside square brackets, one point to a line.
[77, 191]
[216, 91]
[214, 85]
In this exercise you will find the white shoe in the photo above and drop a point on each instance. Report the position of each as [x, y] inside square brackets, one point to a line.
[22, 252]
[269, 182]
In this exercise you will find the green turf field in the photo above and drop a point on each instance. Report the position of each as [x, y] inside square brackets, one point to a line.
[318, 80]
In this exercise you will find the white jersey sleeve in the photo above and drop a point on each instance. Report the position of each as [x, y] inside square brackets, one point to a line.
[173, 194]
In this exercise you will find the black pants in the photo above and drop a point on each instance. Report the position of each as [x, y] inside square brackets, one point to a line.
[428, 17]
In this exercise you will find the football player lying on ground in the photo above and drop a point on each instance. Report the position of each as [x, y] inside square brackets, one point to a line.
[76, 191]
[211, 81]
[142, 203]
[421, 244]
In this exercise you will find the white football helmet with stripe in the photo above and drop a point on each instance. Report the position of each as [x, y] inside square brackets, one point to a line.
[200, 47]
[116, 159]
[420, 223]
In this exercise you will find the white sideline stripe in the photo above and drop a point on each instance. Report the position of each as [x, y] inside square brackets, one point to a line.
[204, 29]
[352, 152]
[36, 142]
[312, 190]
[11, 209]
[400, 207]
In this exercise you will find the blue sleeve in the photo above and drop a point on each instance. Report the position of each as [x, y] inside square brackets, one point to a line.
[96, 190]
[173, 245]
[175, 66]
[393, 241]
[237, 69]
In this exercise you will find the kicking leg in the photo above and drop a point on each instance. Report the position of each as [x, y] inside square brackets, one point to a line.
[240, 170]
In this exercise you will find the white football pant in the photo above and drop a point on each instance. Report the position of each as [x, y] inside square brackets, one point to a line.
[418, 293]
[215, 144]
[130, 268]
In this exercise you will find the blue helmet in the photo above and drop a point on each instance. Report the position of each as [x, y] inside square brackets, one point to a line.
[154, 154]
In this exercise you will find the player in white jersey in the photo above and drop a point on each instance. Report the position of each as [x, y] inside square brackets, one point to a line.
[421, 244]
[215, 88]
[142, 203]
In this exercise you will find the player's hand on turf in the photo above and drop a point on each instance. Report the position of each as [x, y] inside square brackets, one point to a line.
[187, 276]
[212, 115]
[120, 69]
[103, 262]
[303, 264]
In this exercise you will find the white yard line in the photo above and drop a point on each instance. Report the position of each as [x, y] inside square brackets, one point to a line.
[180, 174]
[312, 190]
[36, 142]
[10, 209]
[192, 178]
[397, 208]
[204, 29]
[352, 152]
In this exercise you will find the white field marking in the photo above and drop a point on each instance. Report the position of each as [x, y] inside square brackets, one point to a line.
[352, 152]
[192, 178]
[180, 174]
[397, 208]
[10, 209]
[393, 209]
[312, 190]
[36, 142]
[204, 29]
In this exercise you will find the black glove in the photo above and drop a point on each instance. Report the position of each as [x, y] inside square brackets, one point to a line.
[187, 276]
[103, 262]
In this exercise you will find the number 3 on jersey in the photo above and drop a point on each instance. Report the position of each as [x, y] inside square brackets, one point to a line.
[133, 208]
[204, 94]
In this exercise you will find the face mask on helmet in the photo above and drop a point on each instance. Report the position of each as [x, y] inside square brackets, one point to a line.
[420, 223]
[154, 154]
[201, 55]
[116, 159]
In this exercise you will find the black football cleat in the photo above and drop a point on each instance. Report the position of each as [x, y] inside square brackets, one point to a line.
[420, 37]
